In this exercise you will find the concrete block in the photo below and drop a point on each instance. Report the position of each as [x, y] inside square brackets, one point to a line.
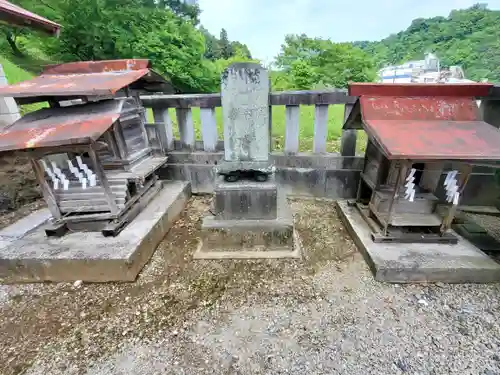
[342, 183]
[202, 178]
[247, 239]
[25, 225]
[89, 256]
[410, 263]
[8, 119]
[245, 200]
[8, 106]
[302, 181]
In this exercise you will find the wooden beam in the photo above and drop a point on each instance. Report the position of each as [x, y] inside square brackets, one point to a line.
[47, 192]
[120, 140]
[99, 171]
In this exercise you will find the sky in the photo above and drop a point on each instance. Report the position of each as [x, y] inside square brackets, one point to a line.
[263, 24]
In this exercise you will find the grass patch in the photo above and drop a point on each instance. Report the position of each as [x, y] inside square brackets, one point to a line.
[306, 127]
[16, 74]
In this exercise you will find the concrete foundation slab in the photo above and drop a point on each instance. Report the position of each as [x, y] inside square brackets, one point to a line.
[408, 263]
[247, 239]
[88, 256]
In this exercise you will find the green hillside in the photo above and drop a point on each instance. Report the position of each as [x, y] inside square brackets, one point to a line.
[469, 38]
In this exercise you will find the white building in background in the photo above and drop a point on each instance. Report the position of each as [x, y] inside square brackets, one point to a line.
[191, 2]
[407, 72]
[422, 71]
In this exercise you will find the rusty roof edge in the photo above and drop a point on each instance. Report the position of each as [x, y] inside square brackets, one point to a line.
[420, 89]
[81, 123]
[18, 11]
[98, 66]
[89, 85]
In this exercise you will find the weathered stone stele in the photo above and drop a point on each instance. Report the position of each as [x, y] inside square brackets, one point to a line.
[250, 219]
[245, 110]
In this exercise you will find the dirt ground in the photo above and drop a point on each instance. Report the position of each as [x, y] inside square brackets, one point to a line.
[19, 191]
[323, 314]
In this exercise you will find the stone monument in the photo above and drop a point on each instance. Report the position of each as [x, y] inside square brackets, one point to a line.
[250, 219]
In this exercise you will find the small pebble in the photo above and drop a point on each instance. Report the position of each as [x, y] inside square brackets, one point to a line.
[78, 283]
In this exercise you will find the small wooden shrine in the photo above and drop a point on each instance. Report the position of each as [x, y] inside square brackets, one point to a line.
[423, 141]
[89, 150]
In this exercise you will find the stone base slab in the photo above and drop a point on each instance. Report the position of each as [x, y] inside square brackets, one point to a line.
[247, 239]
[412, 263]
[88, 256]
[295, 252]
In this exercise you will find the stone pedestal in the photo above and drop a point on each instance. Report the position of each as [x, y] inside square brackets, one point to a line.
[248, 200]
[250, 219]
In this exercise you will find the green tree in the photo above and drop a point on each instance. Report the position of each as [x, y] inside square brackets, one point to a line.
[113, 29]
[314, 61]
[179, 8]
[212, 49]
[240, 49]
[303, 76]
[163, 31]
[224, 45]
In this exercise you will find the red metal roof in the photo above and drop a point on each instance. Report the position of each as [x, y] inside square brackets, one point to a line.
[420, 127]
[51, 127]
[85, 78]
[418, 89]
[15, 15]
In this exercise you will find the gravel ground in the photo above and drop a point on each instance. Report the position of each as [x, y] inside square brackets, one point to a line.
[322, 315]
[489, 222]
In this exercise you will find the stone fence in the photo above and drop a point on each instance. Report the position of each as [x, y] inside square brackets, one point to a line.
[318, 173]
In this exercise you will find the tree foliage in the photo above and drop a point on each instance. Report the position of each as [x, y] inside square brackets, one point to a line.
[312, 62]
[225, 46]
[164, 31]
[469, 38]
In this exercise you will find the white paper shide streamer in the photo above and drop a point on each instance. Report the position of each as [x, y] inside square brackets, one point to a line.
[451, 186]
[410, 185]
[81, 171]
[89, 178]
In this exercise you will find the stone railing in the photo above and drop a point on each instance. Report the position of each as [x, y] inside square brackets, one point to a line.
[317, 173]
[292, 100]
